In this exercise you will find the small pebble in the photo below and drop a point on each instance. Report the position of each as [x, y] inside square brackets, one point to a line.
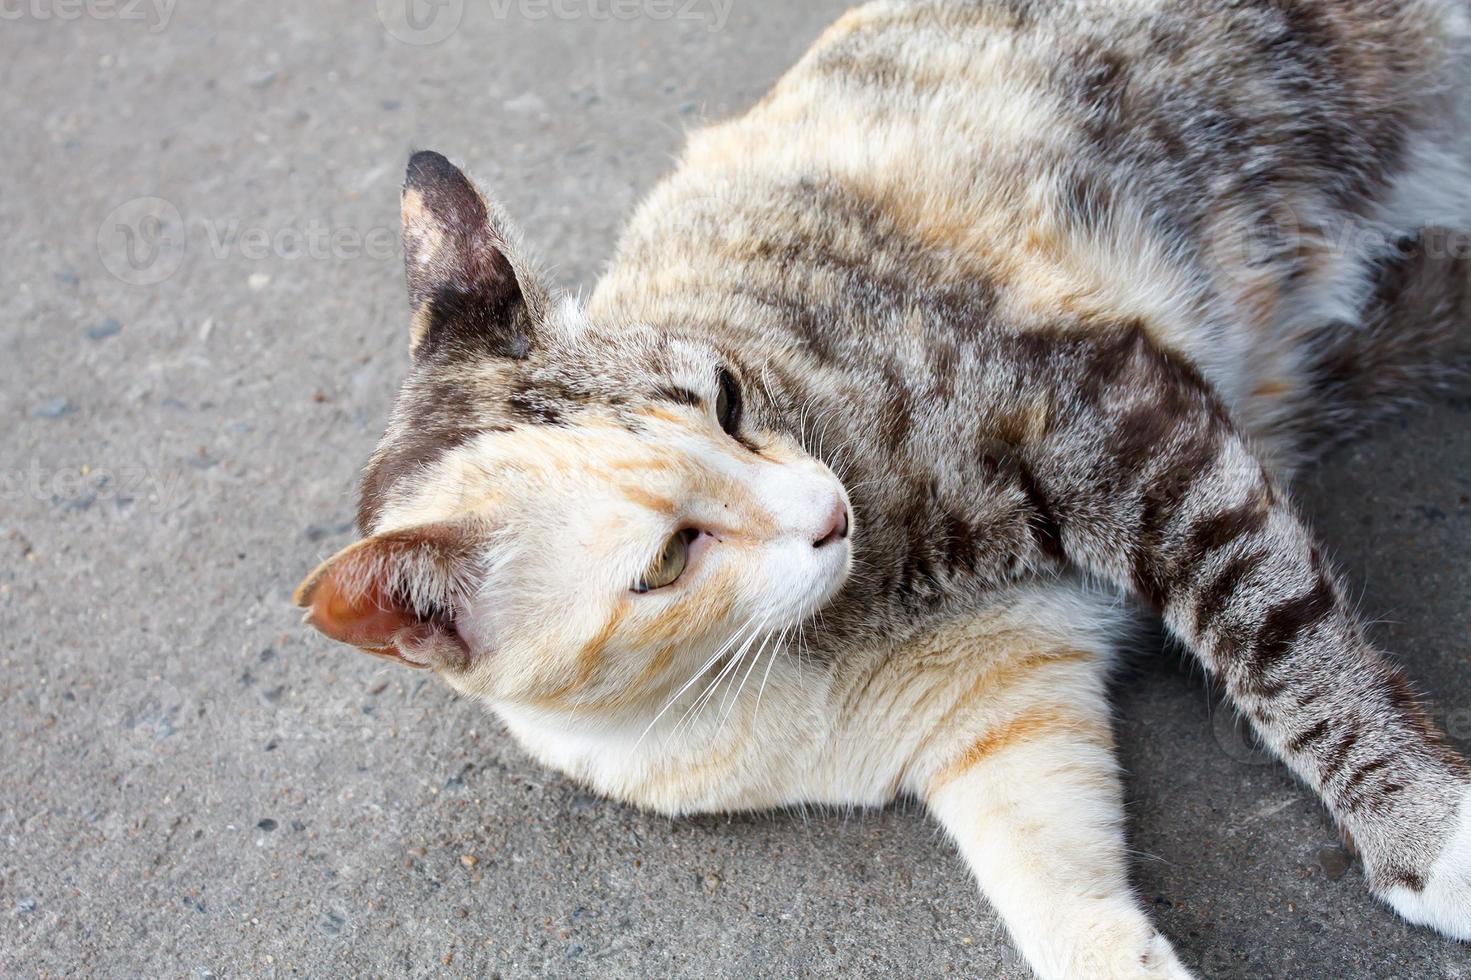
[317, 532]
[1334, 861]
[258, 281]
[107, 328]
[53, 408]
[525, 102]
[469, 860]
[267, 825]
[26, 904]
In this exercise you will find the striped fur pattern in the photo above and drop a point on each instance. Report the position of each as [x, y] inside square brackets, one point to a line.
[989, 312]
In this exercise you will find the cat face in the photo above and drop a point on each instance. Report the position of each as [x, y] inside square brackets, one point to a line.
[564, 515]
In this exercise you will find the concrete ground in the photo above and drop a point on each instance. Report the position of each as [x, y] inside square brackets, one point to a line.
[203, 326]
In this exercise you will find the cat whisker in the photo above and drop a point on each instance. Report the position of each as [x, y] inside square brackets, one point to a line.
[692, 712]
[733, 696]
[771, 662]
[734, 666]
[735, 636]
[733, 691]
[756, 662]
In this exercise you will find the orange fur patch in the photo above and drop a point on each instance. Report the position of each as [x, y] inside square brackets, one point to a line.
[1026, 727]
[657, 665]
[643, 498]
[689, 616]
[592, 650]
[1272, 388]
[997, 678]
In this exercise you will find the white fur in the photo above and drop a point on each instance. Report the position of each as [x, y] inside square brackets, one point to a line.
[1044, 842]
[1039, 822]
[1445, 903]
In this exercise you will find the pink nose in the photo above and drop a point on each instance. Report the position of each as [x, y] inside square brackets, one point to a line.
[835, 528]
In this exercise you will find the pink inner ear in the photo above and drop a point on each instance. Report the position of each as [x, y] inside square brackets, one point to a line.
[363, 619]
[351, 597]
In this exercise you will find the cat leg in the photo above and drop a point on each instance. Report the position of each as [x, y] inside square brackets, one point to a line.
[1153, 488]
[1032, 799]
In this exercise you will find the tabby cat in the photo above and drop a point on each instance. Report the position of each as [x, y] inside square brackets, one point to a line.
[989, 312]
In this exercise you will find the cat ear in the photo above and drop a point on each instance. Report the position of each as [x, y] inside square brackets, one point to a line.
[395, 595]
[468, 295]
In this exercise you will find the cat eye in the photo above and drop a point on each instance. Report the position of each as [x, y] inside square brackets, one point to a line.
[669, 566]
[728, 403]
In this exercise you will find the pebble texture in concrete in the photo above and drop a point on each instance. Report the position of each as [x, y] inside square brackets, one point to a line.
[204, 323]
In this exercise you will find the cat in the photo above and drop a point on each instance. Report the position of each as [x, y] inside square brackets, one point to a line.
[988, 313]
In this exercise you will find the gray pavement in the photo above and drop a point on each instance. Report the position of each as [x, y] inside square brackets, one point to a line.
[190, 785]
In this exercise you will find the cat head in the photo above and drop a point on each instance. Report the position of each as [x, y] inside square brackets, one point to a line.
[566, 514]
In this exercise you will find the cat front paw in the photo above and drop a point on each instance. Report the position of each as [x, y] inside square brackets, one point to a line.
[1120, 957]
[1442, 900]
[1159, 962]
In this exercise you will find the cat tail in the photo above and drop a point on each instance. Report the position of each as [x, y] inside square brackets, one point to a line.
[1413, 337]
[1151, 486]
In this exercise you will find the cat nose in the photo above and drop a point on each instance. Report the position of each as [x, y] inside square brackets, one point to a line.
[835, 528]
